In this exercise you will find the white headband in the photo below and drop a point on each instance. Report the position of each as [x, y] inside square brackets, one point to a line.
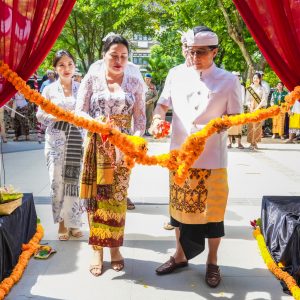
[202, 38]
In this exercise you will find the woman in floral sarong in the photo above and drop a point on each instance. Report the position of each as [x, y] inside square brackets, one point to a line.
[63, 149]
[256, 98]
[112, 91]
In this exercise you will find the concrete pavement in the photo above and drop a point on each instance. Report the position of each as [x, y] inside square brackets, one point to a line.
[273, 170]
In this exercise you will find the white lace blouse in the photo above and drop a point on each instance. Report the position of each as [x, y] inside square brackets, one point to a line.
[95, 100]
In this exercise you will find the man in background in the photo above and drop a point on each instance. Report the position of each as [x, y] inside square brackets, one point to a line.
[150, 97]
[51, 78]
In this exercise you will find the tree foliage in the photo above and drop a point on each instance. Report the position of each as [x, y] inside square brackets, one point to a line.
[91, 20]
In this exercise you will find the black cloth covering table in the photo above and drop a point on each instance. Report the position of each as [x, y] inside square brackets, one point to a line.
[15, 230]
[280, 216]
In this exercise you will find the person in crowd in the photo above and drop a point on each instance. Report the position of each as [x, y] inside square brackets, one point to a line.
[198, 95]
[113, 92]
[235, 132]
[265, 123]
[294, 126]
[256, 98]
[265, 84]
[278, 121]
[2, 125]
[77, 76]
[19, 114]
[151, 97]
[63, 149]
[51, 79]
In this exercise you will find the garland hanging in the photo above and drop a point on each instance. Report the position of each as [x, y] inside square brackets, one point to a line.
[273, 267]
[27, 252]
[135, 148]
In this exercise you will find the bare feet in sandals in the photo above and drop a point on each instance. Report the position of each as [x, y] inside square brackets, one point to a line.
[76, 232]
[130, 204]
[117, 260]
[96, 265]
[63, 232]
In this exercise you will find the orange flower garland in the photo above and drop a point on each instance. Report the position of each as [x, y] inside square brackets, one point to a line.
[273, 267]
[28, 250]
[135, 148]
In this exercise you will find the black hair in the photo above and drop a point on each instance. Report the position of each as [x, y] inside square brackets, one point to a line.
[203, 28]
[59, 54]
[115, 39]
[259, 76]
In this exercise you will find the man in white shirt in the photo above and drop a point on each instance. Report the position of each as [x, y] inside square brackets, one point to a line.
[197, 95]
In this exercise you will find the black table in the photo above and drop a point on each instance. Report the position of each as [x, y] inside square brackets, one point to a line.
[15, 230]
[280, 216]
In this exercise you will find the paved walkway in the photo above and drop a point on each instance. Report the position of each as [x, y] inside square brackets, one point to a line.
[273, 170]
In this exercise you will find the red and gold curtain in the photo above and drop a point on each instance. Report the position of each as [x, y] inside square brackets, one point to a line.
[275, 26]
[28, 30]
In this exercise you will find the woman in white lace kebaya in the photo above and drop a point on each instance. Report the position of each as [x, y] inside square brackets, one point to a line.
[63, 149]
[112, 91]
[256, 98]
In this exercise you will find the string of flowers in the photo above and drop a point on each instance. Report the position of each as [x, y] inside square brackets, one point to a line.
[273, 267]
[27, 252]
[135, 148]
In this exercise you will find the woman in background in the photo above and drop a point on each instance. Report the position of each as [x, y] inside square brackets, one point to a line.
[63, 149]
[278, 121]
[256, 98]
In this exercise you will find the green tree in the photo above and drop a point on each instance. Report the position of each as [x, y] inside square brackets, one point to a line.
[91, 20]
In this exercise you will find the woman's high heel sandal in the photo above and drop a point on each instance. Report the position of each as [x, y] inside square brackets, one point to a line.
[96, 269]
[118, 265]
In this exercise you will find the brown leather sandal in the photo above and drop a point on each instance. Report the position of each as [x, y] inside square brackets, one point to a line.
[118, 265]
[170, 266]
[213, 276]
[130, 204]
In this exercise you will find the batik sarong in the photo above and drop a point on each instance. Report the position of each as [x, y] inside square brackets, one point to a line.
[254, 132]
[104, 185]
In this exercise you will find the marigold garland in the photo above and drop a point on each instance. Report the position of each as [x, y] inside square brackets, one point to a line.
[135, 148]
[273, 267]
[28, 250]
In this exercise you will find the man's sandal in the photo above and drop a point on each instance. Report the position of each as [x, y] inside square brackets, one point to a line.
[213, 276]
[168, 226]
[76, 232]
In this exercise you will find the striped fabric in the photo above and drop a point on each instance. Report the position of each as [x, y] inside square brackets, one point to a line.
[72, 159]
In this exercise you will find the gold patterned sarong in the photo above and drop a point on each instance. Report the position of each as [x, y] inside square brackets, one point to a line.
[278, 124]
[104, 184]
[201, 199]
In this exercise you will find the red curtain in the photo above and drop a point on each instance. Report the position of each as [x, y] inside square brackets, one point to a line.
[275, 26]
[28, 30]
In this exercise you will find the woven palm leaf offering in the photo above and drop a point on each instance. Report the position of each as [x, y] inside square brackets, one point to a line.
[10, 199]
